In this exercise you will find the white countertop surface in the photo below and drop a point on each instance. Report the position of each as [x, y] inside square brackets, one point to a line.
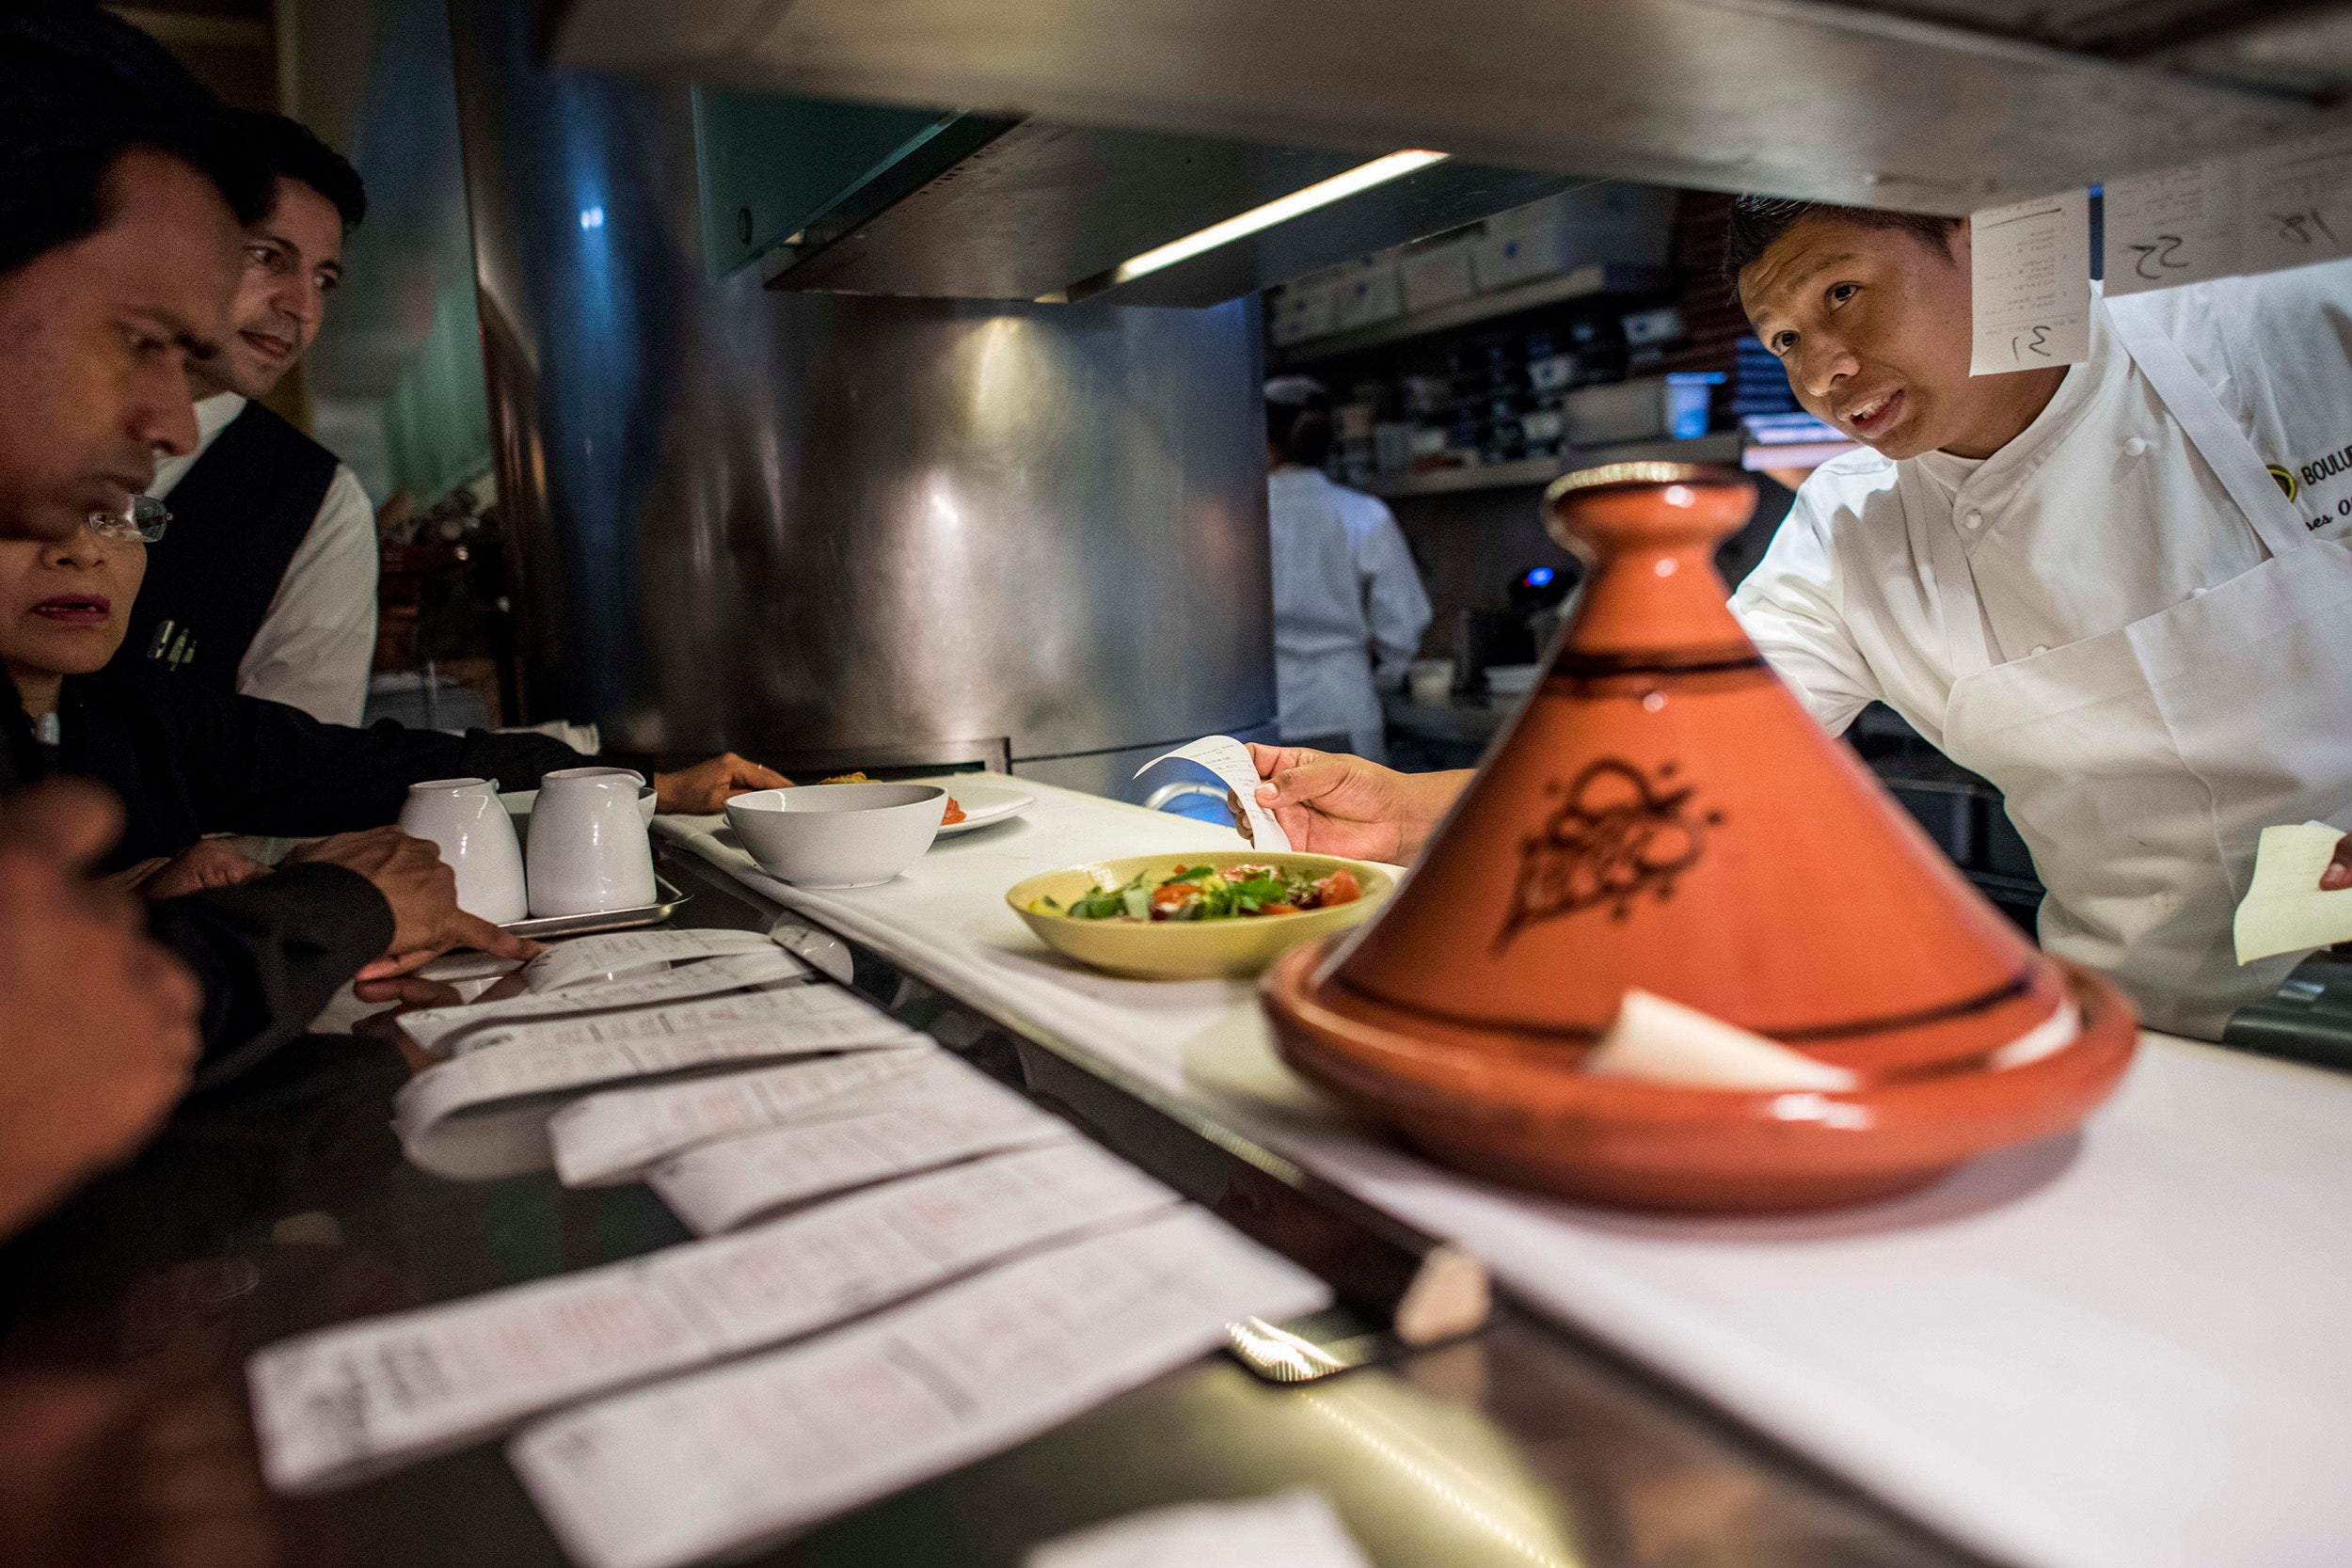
[2125, 1348]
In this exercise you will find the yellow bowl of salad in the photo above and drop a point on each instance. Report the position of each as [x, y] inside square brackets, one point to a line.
[1189, 917]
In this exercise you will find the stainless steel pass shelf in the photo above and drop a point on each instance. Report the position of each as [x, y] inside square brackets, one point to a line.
[1838, 102]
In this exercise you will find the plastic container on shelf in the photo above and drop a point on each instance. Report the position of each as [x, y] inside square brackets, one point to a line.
[1622, 224]
[1366, 292]
[1299, 310]
[1437, 272]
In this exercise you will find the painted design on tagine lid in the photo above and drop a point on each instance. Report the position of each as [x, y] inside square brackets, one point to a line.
[1664, 814]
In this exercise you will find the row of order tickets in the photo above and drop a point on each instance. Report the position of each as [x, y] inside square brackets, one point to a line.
[2029, 265]
[1104, 1280]
[1056, 1274]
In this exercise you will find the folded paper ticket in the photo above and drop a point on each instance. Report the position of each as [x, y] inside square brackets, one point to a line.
[446, 1031]
[721, 1460]
[916, 1123]
[619, 953]
[484, 1114]
[2284, 911]
[361, 1398]
[615, 1136]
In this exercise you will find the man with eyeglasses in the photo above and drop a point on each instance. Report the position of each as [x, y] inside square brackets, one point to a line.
[265, 584]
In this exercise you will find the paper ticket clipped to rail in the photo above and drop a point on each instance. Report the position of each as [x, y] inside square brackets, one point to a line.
[2029, 284]
[2283, 910]
[618, 954]
[615, 1136]
[947, 1112]
[1229, 759]
[454, 1119]
[1299, 1528]
[357, 1399]
[719, 1462]
[447, 1030]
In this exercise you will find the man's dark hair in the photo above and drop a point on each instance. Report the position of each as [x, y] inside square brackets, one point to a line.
[79, 87]
[1758, 221]
[1300, 433]
[293, 151]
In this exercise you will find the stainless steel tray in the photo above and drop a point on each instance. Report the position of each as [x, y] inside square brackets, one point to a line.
[607, 919]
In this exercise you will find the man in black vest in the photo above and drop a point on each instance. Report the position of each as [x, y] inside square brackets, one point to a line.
[265, 583]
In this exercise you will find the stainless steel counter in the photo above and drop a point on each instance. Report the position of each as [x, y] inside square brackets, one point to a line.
[284, 1204]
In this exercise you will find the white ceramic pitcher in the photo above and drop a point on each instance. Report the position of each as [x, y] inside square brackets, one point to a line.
[588, 847]
[470, 824]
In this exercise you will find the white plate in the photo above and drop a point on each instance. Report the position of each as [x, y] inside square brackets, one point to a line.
[983, 804]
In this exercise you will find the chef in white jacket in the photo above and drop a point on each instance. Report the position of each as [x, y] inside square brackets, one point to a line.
[2120, 590]
[1348, 604]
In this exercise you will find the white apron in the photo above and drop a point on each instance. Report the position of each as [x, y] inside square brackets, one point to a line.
[2141, 765]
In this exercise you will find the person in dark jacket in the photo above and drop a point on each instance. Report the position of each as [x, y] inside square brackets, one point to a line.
[190, 759]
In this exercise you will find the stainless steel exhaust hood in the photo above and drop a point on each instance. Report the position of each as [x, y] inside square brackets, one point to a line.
[1047, 211]
[1931, 105]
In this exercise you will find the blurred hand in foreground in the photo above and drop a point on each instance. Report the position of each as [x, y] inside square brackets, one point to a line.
[99, 1021]
[1332, 805]
[422, 892]
[706, 786]
[2339, 873]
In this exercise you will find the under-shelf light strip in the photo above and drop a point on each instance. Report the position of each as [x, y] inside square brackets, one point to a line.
[1338, 188]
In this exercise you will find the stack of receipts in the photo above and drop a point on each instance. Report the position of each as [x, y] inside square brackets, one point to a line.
[940, 1111]
[361, 1398]
[483, 1114]
[449, 1031]
[720, 1461]
[618, 1134]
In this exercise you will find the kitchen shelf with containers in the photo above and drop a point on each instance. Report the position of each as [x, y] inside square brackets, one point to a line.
[1589, 327]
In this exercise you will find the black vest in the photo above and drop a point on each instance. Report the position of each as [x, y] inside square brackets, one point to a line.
[237, 517]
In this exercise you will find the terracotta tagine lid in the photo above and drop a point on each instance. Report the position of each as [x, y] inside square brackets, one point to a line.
[1664, 814]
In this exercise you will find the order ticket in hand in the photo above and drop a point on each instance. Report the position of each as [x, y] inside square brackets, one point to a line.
[2284, 911]
[446, 1031]
[615, 1136]
[915, 1122]
[483, 1115]
[1229, 759]
[356, 1399]
[720, 1461]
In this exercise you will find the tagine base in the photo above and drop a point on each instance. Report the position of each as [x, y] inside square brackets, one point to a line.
[1530, 1119]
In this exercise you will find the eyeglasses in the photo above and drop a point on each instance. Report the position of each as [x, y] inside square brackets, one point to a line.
[144, 521]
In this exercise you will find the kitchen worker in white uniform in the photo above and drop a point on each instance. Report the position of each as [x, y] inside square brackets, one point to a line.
[2120, 590]
[1348, 604]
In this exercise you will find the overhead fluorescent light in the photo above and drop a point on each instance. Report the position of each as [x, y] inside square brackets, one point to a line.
[1338, 188]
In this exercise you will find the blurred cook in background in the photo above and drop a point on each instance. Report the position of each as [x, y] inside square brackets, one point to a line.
[1348, 604]
[265, 583]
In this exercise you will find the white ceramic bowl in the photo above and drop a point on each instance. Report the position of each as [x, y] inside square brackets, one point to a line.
[838, 835]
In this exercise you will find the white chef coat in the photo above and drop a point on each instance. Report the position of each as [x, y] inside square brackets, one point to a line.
[1348, 608]
[2099, 518]
[317, 644]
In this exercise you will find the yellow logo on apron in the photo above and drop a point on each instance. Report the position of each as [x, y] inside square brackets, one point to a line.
[2286, 480]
